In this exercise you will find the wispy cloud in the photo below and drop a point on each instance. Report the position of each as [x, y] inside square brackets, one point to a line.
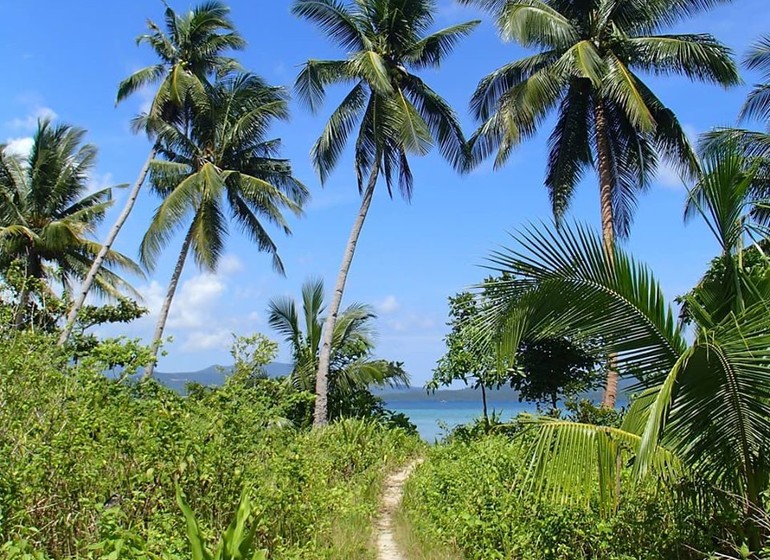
[19, 146]
[387, 306]
[29, 122]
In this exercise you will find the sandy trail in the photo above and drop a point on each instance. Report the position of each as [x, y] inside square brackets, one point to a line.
[391, 499]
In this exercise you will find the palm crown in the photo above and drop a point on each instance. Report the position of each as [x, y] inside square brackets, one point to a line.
[587, 69]
[47, 214]
[352, 364]
[224, 161]
[190, 51]
[398, 113]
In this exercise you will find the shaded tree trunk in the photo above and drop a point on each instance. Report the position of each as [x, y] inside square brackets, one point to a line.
[320, 415]
[484, 403]
[32, 269]
[105, 249]
[172, 285]
[606, 184]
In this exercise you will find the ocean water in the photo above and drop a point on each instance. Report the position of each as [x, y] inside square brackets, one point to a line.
[435, 417]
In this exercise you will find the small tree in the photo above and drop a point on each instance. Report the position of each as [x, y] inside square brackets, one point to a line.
[551, 369]
[464, 361]
[545, 370]
[250, 355]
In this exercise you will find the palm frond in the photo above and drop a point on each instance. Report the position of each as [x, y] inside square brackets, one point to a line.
[699, 57]
[535, 23]
[433, 49]
[563, 283]
[316, 75]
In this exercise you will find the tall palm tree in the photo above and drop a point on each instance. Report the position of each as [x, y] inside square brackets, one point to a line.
[47, 214]
[222, 163]
[704, 406]
[587, 71]
[190, 52]
[352, 366]
[395, 112]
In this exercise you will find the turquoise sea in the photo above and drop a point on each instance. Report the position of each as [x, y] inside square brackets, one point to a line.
[435, 414]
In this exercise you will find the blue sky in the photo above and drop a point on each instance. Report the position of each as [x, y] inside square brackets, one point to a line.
[65, 59]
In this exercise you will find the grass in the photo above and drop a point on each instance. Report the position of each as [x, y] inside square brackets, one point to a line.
[416, 546]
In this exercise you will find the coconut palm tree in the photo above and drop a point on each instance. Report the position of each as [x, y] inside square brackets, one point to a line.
[587, 72]
[704, 407]
[47, 213]
[395, 112]
[222, 164]
[352, 367]
[190, 52]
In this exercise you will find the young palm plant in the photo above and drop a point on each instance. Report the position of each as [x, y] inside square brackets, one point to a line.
[47, 214]
[222, 164]
[190, 52]
[704, 407]
[396, 114]
[352, 367]
[587, 72]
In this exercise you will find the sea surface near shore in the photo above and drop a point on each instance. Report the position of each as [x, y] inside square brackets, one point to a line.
[435, 415]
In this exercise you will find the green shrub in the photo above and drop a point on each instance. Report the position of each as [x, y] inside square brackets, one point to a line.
[88, 465]
[467, 494]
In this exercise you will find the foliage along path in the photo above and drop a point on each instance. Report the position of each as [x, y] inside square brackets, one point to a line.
[387, 549]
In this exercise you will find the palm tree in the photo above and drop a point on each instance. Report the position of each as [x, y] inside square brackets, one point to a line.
[757, 106]
[189, 53]
[46, 213]
[396, 113]
[587, 72]
[223, 163]
[352, 367]
[704, 407]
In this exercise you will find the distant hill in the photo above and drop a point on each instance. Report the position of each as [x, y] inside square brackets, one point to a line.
[502, 395]
[212, 376]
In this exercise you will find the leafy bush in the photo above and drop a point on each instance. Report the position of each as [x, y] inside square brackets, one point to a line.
[89, 465]
[467, 494]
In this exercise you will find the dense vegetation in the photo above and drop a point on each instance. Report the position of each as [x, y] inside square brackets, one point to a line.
[471, 495]
[89, 466]
[110, 467]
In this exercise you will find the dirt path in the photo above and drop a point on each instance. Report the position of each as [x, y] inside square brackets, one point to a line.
[391, 499]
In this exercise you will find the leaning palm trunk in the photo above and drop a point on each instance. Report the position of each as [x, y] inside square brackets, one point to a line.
[322, 375]
[161, 325]
[608, 233]
[105, 249]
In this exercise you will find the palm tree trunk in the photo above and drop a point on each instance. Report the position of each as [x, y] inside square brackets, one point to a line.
[105, 249]
[21, 309]
[322, 375]
[608, 232]
[30, 271]
[158, 336]
[484, 404]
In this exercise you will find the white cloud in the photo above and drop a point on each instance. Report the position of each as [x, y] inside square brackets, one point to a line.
[220, 339]
[229, 265]
[196, 311]
[29, 122]
[387, 306]
[196, 302]
[19, 146]
[99, 181]
[411, 322]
